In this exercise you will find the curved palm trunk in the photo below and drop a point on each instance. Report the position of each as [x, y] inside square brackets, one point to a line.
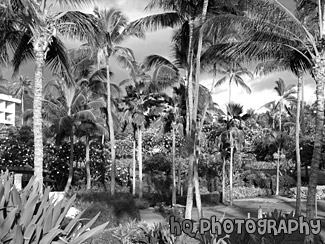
[88, 163]
[134, 162]
[173, 167]
[298, 198]
[70, 177]
[111, 130]
[37, 111]
[195, 108]
[189, 77]
[140, 162]
[319, 72]
[189, 132]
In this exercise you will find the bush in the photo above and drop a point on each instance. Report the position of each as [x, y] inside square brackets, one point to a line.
[116, 210]
[242, 192]
[320, 192]
[142, 203]
[285, 183]
[259, 179]
[30, 215]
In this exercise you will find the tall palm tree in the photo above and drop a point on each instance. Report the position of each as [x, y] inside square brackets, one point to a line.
[36, 27]
[22, 88]
[234, 73]
[115, 30]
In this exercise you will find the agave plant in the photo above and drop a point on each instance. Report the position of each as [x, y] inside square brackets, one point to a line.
[29, 217]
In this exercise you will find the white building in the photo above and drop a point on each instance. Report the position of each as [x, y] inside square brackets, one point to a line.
[8, 109]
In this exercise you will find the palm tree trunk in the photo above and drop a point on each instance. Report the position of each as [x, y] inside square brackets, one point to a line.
[277, 173]
[140, 162]
[70, 177]
[189, 132]
[111, 130]
[198, 62]
[173, 166]
[302, 114]
[134, 168]
[229, 94]
[22, 109]
[88, 163]
[189, 198]
[319, 73]
[179, 183]
[194, 118]
[197, 188]
[279, 152]
[40, 56]
[298, 198]
[190, 74]
[231, 170]
[224, 180]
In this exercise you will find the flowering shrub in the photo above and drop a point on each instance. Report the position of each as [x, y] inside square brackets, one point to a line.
[17, 149]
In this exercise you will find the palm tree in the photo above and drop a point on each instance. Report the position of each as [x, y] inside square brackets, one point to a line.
[137, 107]
[234, 73]
[72, 108]
[171, 120]
[22, 88]
[90, 129]
[36, 28]
[115, 29]
[290, 63]
[285, 94]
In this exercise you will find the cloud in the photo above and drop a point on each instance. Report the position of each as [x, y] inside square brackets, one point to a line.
[262, 91]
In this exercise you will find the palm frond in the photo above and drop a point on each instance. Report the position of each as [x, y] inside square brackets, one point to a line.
[23, 53]
[157, 21]
[78, 25]
[221, 81]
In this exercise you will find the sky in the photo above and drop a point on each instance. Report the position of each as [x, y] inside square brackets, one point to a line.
[160, 43]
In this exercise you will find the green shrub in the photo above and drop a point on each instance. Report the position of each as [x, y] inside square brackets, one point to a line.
[285, 183]
[117, 209]
[242, 192]
[30, 215]
[142, 203]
